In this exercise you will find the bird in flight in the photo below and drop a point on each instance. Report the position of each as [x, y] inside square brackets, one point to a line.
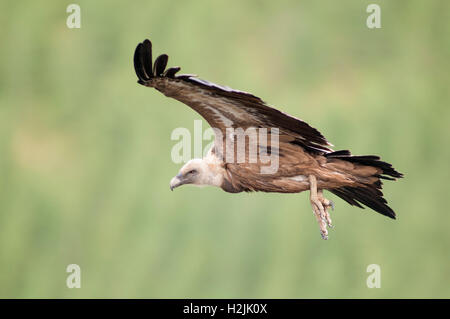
[303, 157]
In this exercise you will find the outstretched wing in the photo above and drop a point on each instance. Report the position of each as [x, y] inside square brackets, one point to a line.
[220, 106]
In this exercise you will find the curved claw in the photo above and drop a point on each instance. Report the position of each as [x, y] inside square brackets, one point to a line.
[320, 207]
[332, 205]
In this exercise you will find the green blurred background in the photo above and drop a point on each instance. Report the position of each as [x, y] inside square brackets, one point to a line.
[85, 152]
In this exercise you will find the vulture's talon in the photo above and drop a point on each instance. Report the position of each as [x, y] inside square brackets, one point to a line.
[320, 207]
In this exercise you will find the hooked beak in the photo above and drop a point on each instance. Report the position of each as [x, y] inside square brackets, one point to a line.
[176, 181]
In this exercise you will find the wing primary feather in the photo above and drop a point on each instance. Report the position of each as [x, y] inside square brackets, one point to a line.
[147, 57]
[170, 72]
[138, 66]
[160, 65]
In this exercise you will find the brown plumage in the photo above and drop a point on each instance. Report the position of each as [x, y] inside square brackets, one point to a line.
[305, 159]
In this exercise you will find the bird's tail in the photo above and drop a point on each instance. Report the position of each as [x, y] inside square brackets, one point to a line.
[368, 170]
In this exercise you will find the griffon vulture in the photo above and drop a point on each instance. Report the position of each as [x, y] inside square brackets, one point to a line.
[305, 160]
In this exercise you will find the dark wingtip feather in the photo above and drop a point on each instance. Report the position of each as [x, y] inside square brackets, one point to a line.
[147, 57]
[170, 72]
[160, 65]
[138, 65]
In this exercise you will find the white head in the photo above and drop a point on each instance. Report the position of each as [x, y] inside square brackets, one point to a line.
[198, 172]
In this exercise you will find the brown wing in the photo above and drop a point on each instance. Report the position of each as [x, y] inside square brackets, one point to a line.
[223, 107]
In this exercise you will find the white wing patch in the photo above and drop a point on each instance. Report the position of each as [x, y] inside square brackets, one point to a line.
[298, 178]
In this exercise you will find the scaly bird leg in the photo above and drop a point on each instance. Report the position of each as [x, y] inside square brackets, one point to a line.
[326, 205]
[320, 207]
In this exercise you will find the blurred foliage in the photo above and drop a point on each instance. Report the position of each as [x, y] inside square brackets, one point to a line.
[85, 151]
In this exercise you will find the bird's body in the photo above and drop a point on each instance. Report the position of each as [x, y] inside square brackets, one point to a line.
[303, 157]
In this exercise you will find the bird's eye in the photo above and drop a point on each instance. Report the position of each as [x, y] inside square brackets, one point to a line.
[193, 171]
